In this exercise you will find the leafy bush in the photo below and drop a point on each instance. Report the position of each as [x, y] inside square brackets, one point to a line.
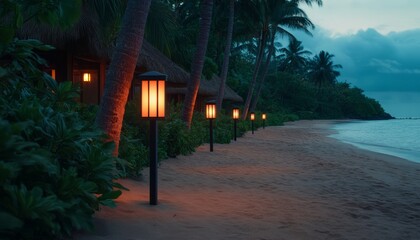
[223, 132]
[55, 168]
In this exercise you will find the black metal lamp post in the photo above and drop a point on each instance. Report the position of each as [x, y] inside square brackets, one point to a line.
[235, 116]
[263, 117]
[211, 114]
[153, 108]
[252, 117]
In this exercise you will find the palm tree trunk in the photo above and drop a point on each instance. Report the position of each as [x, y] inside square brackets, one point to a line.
[226, 56]
[264, 74]
[198, 62]
[251, 89]
[121, 70]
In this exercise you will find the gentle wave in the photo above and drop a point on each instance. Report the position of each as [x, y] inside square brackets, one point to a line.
[398, 137]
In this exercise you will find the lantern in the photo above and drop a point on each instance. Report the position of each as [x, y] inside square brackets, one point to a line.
[235, 113]
[263, 117]
[211, 110]
[153, 95]
[235, 116]
[252, 117]
[87, 77]
[153, 108]
[210, 115]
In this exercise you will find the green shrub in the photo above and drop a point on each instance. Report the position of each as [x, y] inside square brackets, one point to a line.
[176, 138]
[55, 168]
[133, 152]
[223, 132]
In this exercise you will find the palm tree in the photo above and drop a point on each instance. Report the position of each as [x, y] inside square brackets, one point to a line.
[198, 62]
[322, 70]
[283, 14]
[294, 57]
[273, 16]
[121, 69]
[225, 65]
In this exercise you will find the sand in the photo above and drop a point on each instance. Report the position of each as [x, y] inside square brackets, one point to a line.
[286, 182]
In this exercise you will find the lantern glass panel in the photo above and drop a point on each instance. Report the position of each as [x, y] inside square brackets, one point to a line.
[235, 113]
[161, 99]
[264, 116]
[144, 99]
[153, 99]
[211, 110]
[252, 116]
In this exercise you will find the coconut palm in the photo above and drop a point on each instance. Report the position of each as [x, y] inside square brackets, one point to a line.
[121, 69]
[198, 62]
[294, 57]
[276, 17]
[322, 70]
[225, 66]
[272, 16]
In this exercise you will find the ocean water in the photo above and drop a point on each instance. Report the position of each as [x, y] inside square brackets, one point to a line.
[399, 137]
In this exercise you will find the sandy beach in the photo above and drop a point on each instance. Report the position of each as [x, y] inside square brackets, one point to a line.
[286, 182]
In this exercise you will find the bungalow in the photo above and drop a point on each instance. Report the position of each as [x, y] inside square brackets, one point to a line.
[80, 58]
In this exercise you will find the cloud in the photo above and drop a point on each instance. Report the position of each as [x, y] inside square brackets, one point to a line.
[374, 62]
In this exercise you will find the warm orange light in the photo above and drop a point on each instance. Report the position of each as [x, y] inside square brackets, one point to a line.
[235, 113]
[86, 77]
[252, 116]
[210, 110]
[53, 74]
[153, 98]
[263, 116]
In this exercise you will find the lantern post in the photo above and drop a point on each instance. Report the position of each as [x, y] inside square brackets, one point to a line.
[235, 116]
[211, 114]
[153, 108]
[263, 117]
[252, 117]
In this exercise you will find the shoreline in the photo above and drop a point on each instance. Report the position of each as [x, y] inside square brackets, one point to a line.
[286, 182]
[408, 155]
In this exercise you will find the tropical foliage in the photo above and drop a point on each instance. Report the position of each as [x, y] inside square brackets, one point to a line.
[55, 168]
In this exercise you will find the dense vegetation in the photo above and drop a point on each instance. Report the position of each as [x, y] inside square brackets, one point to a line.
[55, 167]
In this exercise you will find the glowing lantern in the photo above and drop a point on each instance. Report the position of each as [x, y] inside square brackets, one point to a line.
[87, 77]
[235, 116]
[211, 110]
[235, 113]
[153, 95]
[263, 116]
[153, 108]
[210, 115]
[252, 117]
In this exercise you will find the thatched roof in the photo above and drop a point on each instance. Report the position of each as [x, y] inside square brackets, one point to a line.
[153, 60]
[229, 93]
[210, 88]
[83, 37]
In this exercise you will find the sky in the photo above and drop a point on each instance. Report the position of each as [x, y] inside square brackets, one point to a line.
[378, 44]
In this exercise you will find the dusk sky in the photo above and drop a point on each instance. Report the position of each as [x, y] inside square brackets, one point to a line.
[378, 44]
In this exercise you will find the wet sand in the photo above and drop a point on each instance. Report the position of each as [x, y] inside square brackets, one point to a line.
[287, 182]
